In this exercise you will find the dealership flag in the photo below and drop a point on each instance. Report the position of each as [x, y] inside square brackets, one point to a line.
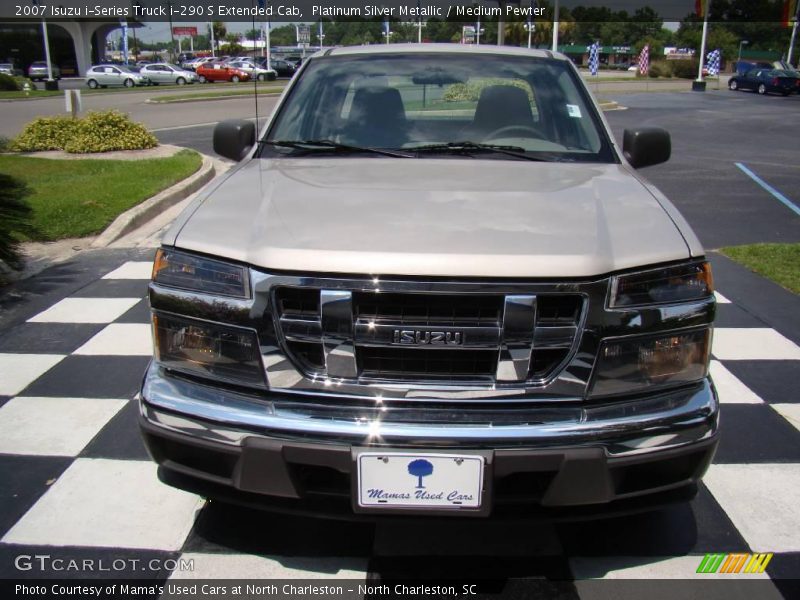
[713, 59]
[594, 57]
[644, 60]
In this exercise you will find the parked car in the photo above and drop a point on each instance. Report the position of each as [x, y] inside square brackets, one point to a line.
[478, 310]
[765, 81]
[114, 75]
[166, 73]
[281, 67]
[220, 72]
[255, 71]
[10, 69]
[193, 64]
[37, 71]
[185, 57]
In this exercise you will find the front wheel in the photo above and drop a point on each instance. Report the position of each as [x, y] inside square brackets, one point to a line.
[235, 79]
[129, 83]
[261, 77]
[92, 84]
[180, 81]
[733, 85]
[762, 89]
[202, 79]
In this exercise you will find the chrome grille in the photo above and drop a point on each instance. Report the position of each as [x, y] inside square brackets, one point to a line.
[428, 337]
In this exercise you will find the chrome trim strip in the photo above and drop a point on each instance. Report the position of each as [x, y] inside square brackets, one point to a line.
[667, 420]
[519, 322]
[336, 308]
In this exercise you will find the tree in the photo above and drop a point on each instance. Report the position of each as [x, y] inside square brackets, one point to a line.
[15, 220]
[420, 468]
[220, 31]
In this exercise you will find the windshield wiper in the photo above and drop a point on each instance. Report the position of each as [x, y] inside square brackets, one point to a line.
[331, 146]
[468, 147]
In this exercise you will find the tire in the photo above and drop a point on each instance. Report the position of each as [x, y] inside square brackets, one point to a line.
[235, 79]
[180, 81]
[261, 77]
[733, 85]
[92, 84]
[762, 89]
[271, 77]
[129, 83]
[201, 79]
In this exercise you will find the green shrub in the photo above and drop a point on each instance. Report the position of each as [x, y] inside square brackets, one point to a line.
[15, 219]
[471, 92]
[685, 69]
[108, 131]
[9, 83]
[5, 144]
[45, 133]
[96, 132]
[660, 69]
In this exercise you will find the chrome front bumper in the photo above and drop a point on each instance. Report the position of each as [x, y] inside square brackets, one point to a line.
[664, 421]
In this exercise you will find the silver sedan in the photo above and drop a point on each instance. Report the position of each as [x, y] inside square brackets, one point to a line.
[167, 73]
[113, 75]
[255, 71]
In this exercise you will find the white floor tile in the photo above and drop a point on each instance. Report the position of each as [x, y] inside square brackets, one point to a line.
[120, 339]
[85, 310]
[132, 270]
[247, 566]
[761, 500]
[53, 426]
[721, 299]
[647, 567]
[790, 412]
[753, 344]
[730, 389]
[18, 371]
[110, 504]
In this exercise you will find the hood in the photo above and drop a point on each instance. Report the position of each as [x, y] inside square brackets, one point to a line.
[455, 217]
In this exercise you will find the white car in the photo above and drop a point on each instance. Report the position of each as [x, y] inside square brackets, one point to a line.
[255, 71]
[114, 75]
[167, 73]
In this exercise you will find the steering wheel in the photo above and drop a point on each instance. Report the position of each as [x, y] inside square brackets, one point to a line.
[524, 130]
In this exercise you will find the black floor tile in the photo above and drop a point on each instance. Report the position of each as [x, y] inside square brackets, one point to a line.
[120, 438]
[774, 381]
[24, 480]
[4, 399]
[71, 562]
[697, 527]
[755, 433]
[92, 377]
[114, 288]
[139, 313]
[225, 528]
[730, 315]
[48, 338]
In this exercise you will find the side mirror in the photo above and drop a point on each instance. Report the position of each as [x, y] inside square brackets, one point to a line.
[234, 138]
[645, 147]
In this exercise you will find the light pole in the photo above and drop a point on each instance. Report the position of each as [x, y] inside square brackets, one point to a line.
[136, 7]
[742, 43]
[46, 48]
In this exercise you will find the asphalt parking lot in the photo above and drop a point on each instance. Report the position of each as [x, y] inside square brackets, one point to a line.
[74, 343]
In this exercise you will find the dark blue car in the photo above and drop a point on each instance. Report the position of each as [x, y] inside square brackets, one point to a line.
[765, 81]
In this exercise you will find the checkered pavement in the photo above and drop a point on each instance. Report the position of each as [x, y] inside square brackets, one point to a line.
[77, 481]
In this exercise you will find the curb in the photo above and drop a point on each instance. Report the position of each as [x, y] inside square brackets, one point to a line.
[142, 213]
[212, 98]
[606, 106]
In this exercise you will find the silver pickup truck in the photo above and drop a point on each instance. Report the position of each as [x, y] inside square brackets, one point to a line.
[433, 285]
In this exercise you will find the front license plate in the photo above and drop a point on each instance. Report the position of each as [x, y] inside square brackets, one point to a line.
[399, 479]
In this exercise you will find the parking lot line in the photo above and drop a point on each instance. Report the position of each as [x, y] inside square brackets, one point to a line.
[791, 205]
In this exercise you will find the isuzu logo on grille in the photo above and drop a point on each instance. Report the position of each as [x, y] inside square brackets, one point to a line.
[423, 337]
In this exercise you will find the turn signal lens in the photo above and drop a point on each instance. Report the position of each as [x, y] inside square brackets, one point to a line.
[200, 274]
[209, 350]
[627, 366]
[668, 285]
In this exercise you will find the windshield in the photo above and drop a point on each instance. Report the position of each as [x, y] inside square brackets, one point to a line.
[450, 103]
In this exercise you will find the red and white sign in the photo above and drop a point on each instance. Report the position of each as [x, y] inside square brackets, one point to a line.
[191, 31]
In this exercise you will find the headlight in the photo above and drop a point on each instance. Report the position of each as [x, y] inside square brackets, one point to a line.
[209, 350]
[200, 274]
[631, 365]
[667, 285]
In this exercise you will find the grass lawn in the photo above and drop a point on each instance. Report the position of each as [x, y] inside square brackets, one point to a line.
[235, 90]
[778, 262]
[76, 198]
